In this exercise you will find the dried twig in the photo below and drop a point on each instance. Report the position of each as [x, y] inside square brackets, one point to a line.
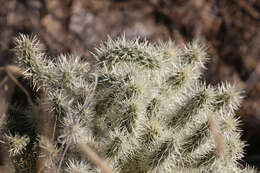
[67, 139]
[11, 70]
[249, 8]
[217, 136]
[95, 158]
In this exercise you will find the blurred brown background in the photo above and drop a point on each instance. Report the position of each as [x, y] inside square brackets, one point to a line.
[231, 28]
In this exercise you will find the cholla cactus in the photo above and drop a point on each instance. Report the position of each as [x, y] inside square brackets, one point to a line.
[143, 108]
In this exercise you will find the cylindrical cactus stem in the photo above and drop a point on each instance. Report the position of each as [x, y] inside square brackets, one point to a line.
[6, 93]
[45, 121]
[168, 92]
[149, 112]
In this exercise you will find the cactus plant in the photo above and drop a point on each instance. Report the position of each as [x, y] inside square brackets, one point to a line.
[143, 107]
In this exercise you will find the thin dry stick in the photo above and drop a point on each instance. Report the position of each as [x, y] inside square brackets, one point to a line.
[54, 128]
[9, 71]
[63, 155]
[3, 81]
[217, 136]
[90, 96]
[76, 121]
[15, 70]
[95, 158]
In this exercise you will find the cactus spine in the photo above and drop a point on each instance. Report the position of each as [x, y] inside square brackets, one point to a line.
[148, 112]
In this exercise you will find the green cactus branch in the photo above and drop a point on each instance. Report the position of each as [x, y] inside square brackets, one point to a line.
[145, 109]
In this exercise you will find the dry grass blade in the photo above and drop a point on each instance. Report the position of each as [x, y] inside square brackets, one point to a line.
[15, 70]
[95, 158]
[217, 136]
[11, 70]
